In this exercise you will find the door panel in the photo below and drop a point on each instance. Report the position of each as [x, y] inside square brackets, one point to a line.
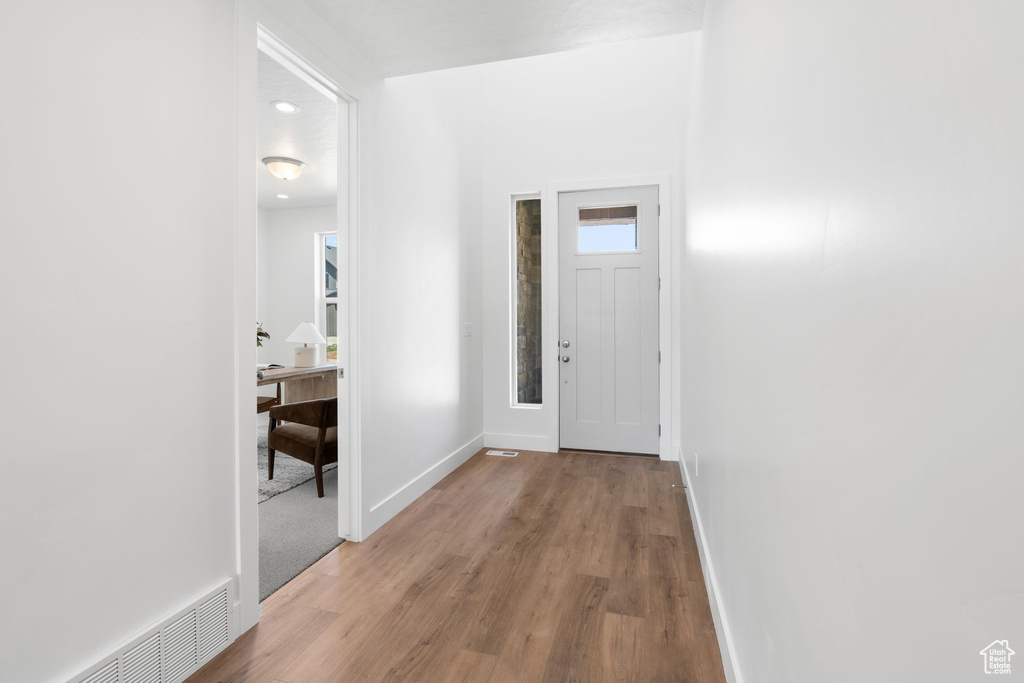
[608, 315]
[628, 343]
[586, 358]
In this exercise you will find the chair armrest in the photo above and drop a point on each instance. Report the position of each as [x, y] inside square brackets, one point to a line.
[304, 412]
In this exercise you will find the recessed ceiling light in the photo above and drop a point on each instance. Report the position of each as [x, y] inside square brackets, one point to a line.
[286, 107]
[282, 196]
[284, 168]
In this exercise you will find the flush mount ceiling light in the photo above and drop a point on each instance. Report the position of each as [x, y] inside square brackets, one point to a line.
[286, 107]
[284, 168]
[282, 196]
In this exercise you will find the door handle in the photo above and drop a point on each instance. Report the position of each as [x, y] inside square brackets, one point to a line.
[564, 343]
[565, 359]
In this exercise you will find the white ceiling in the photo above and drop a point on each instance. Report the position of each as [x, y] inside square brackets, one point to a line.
[411, 36]
[309, 135]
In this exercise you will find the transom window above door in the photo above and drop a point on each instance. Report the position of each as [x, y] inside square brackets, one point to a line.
[605, 229]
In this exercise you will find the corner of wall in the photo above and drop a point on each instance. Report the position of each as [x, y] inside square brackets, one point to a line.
[379, 514]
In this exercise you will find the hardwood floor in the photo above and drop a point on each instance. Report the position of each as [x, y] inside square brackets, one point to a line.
[543, 567]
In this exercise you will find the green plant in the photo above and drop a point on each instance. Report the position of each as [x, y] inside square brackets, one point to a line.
[260, 335]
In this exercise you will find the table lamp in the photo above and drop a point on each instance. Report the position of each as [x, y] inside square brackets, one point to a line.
[306, 334]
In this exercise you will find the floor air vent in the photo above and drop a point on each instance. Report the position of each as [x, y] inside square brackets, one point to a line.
[173, 650]
[504, 454]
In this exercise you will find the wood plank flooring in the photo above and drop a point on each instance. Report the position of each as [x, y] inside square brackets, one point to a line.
[543, 567]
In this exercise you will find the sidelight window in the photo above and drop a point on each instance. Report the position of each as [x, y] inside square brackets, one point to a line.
[526, 285]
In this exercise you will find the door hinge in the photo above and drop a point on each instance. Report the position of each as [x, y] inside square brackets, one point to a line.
[659, 430]
[659, 209]
[659, 356]
[659, 283]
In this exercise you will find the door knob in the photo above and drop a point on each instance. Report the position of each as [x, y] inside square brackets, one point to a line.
[565, 359]
[565, 343]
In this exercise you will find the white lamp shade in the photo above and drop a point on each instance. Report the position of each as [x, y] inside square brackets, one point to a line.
[306, 333]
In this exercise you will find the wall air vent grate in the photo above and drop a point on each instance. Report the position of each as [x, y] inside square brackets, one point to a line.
[107, 674]
[181, 648]
[174, 649]
[213, 624]
[141, 664]
[504, 454]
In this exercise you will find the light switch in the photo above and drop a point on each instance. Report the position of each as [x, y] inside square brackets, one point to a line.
[467, 329]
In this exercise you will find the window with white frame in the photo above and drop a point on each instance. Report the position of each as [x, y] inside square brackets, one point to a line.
[526, 313]
[327, 288]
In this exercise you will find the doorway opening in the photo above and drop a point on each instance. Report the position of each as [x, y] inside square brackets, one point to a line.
[323, 309]
[297, 292]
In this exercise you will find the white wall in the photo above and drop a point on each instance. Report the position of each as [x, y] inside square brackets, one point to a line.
[605, 112]
[422, 387]
[853, 334]
[289, 265]
[117, 277]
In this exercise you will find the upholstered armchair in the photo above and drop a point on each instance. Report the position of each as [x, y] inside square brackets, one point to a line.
[310, 434]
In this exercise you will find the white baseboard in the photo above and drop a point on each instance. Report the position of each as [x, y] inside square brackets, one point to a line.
[400, 499]
[725, 640]
[521, 442]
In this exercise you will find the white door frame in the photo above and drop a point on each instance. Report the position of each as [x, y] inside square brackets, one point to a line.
[549, 275]
[259, 29]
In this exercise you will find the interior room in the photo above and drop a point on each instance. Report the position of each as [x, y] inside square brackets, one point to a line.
[297, 303]
[660, 340]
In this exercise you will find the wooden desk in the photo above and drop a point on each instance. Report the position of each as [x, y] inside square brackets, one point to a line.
[303, 384]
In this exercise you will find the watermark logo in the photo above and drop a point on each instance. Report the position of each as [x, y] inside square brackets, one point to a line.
[997, 657]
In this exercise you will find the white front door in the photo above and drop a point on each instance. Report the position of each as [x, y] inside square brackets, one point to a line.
[608, 320]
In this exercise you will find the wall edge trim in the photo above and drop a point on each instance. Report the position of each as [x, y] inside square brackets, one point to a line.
[726, 643]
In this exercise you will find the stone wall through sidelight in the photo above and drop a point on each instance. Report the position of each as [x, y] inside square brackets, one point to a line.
[528, 351]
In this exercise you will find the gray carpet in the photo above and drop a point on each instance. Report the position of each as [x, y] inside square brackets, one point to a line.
[288, 472]
[296, 530]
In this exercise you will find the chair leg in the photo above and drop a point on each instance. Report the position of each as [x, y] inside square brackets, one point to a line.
[319, 470]
[270, 451]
